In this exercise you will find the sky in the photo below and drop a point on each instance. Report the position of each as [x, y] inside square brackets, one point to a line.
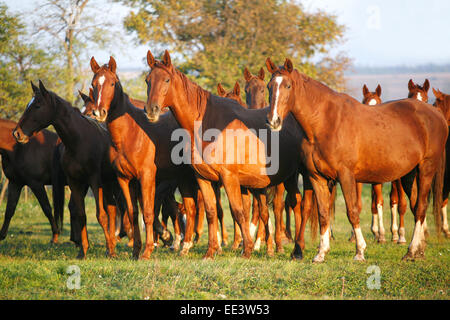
[379, 32]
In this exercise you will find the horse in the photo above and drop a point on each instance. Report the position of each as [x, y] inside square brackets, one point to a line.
[143, 152]
[215, 160]
[34, 165]
[443, 104]
[397, 199]
[84, 160]
[348, 142]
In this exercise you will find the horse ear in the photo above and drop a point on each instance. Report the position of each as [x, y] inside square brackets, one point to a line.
[166, 59]
[247, 75]
[426, 85]
[237, 89]
[221, 91]
[411, 85]
[91, 94]
[365, 90]
[437, 94]
[271, 67]
[288, 65]
[378, 91]
[112, 65]
[94, 65]
[84, 97]
[150, 59]
[261, 74]
[42, 89]
[35, 89]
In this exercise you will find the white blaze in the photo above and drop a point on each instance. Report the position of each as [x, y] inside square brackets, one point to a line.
[419, 96]
[278, 81]
[101, 81]
[29, 103]
[373, 102]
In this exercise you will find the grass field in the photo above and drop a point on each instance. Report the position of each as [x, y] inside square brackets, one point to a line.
[30, 268]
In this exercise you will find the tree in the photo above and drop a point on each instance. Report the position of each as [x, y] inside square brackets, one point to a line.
[20, 62]
[73, 29]
[215, 40]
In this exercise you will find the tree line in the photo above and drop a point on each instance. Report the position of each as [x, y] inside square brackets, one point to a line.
[212, 41]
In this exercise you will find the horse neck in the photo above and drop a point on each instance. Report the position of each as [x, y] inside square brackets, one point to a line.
[7, 140]
[190, 102]
[65, 124]
[117, 120]
[309, 108]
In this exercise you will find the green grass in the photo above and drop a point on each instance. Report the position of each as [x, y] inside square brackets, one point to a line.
[31, 268]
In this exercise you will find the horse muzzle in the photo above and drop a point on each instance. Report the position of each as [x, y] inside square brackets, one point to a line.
[152, 112]
[274, 124]
[100, 114]
[20, 137]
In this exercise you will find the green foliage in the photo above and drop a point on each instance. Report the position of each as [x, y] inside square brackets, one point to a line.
[215, 40]
[20, 62]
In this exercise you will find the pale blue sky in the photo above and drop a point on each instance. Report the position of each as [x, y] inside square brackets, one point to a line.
[379, 32]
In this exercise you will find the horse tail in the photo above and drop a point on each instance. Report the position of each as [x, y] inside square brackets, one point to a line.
[314, 217]
[438, 186]
[270, 195]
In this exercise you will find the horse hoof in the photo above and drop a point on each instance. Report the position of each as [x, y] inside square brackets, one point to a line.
[381, 240]
[318, 259]
[352, 240]
[447, 234]
[81, 256]
[280, 249]
[359, 257]
[224, 243]
[296, 256]
[401, 242]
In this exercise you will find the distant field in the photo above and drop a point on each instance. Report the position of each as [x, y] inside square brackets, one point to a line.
[30, 268]
[395, 86]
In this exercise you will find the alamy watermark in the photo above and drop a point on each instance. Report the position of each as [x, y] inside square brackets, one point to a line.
[228, 146]
[74, 280]
[374, 281]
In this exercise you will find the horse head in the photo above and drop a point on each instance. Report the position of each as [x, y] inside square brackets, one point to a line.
[38, 114]
[281, 93]
[371, 98]
[255, 89]
[104, 84]
[419, 92]
[443, 103]
[234, 94]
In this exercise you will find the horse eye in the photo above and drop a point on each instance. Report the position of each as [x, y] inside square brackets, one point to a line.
[167, 81]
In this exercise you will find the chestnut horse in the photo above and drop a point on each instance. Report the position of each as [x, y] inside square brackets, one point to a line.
[349, 143]
[165, 199]
[443, 104]
[34, 165]
[216, 160]
[143, 152]
[397, 198]
[83, 160]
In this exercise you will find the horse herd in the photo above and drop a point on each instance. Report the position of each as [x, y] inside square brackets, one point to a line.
[123, 150]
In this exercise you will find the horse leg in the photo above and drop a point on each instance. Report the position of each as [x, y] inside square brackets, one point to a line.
[247, 203]
[320, 186]
[102, 217]
[402, 206]
[255, 217]
[307, 204]
[189, 193]
[394, 209]
[209, 198]
[58, 198]
[223, 230]
[78, 193]
[233, 190]
[14, 190]
[264, 214]
[278, 207]
[426, 171]
[374, 227]
[348, 185]
[41, 195]
[199, 217]
[378, 201]
[133, 213]
[295, 201]
[111, 209]
[287, 209]
[148, 205]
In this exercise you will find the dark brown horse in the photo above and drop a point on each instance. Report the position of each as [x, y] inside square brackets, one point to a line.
[210, 120]
[84, 160]
[34, 165]
[443, 103]
[348, 142]
[143, 152]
